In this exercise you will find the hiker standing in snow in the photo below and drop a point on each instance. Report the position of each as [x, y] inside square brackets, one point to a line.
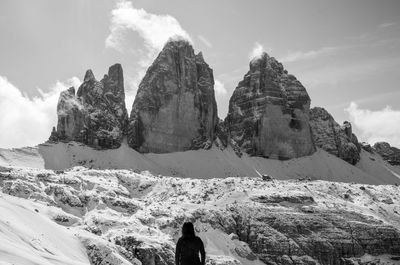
[188, 247]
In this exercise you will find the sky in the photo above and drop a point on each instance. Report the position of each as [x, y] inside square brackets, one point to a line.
[346, 53]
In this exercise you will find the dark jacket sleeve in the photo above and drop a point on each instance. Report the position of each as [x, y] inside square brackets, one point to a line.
[202, 252]
[178, 252]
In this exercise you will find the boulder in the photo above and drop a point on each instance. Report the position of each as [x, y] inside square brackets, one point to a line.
[333, 138]
[269, 112]
[175, 108]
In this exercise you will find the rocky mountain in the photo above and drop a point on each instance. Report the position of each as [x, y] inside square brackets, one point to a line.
[390, 153]
[269, 112]
[85, 216]
[175, 108]
[96, 115]
[333, 138]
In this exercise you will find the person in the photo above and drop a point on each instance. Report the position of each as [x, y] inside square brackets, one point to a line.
[188, 247]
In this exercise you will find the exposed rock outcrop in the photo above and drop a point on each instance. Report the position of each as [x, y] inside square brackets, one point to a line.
[126, 218]
[269, 112]
[389, 153]
[175, 108]
[96, 115]
[333, 138]
[318, 237]
[367, 147]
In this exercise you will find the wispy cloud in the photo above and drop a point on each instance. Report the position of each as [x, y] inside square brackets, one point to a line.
[154, 29]
[374, 98]
[219, 87]
[375, 126]
[258, 50]
[205, 41]
[28, 121]
[388, 24]
[293, 56]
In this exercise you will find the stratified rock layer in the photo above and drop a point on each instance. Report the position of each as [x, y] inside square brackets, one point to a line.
[269, 112]
[333, 138]
[174, 109]
[96, 115]
[389, 153]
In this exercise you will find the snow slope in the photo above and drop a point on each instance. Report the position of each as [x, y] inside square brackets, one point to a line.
[204, 163]
[29, 237]
[22, 157]
[121, 217]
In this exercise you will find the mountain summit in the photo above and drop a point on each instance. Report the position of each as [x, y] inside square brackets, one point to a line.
[175, 108]
[269, 112]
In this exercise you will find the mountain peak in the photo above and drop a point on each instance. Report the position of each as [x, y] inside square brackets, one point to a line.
[89, 76]
[269, 112]
[175, 107]
[177, 44]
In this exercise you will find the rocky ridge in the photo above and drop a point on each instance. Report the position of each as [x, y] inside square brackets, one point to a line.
[390, 153]
[175, 110]
[96, 115]
[333, 138]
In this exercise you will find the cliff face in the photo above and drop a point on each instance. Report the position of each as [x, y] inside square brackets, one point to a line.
[333, 138]
[96, 115]
[269, 112]
[389, 153]
[175, 108]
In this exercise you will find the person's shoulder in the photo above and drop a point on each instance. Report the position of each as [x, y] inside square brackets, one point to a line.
[198, 238]
[179, 240]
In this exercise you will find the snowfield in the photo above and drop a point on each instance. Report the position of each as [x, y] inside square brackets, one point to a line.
[213, 163]
[29, 236]
[93, 216]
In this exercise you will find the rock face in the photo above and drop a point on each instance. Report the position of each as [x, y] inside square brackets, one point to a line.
[126, 218]
[175, 108]
[389, 153]
[310, 237]
[269, 112]
[96, 115]
[333, 138]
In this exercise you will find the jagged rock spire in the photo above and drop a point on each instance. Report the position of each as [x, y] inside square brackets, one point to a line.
[96, 115]
[89, 76]
[175, 107]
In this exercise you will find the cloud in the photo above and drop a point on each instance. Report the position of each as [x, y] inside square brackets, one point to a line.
[386, 25]
[205, 41]
[258, 50]
[154, 29]
[219, 87]
[300, 55]
[375, 126]
[28, 121]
